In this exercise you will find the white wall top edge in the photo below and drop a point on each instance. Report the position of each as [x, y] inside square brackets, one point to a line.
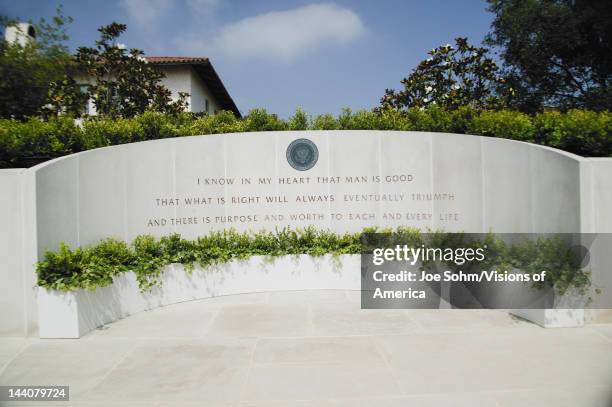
[304, 133]
[604, 159]
[12, 170]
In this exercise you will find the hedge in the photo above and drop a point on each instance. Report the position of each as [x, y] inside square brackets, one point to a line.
[23, 144]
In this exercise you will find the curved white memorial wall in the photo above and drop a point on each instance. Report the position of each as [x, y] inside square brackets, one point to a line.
[244, 181]
[338, 180]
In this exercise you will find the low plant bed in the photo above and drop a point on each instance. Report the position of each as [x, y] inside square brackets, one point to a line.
[71, 314]
[83, 288]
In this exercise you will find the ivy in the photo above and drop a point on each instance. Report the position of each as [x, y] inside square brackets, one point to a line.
[95, 266]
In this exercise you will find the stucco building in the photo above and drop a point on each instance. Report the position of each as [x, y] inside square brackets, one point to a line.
[192, 75]
[197, 77]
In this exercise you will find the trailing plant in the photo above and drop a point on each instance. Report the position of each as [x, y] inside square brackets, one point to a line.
[95, 266]
[532, 256]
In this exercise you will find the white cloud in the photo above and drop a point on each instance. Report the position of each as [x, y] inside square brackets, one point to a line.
[286, 35]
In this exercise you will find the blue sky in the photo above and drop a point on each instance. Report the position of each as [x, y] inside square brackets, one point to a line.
[321, 56]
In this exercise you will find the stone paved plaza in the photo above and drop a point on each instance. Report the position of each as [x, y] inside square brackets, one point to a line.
[318, 348]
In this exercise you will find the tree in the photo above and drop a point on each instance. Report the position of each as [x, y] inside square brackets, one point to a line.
[557, 52]
[26, 72]
[124, 84]
[451, 77]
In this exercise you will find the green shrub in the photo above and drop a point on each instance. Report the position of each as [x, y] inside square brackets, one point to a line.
[156, 125]
[547, 126]
[360, 120]
[102, 132]
[299, 121]
[461, 118]
[8, 144]
[34, 141]
[391, 119]
[261, 120]
[503, 124]
[586, 133]
[432, 119]
[23, 144]
[325, 122]
[222, 122]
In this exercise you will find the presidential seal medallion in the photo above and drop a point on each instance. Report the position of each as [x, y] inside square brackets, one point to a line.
[302, 154]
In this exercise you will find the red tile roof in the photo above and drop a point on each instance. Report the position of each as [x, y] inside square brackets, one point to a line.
[208, 74]
[176, 60]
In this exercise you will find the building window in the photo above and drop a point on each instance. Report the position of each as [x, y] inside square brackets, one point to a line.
[84, 88]
[206, 106]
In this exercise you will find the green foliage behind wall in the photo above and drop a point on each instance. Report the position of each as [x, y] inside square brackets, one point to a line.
[23, 144]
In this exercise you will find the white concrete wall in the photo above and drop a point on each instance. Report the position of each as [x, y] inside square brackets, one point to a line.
[183, 78]
[13, 309]
[597, 218]
[200, 94]
[499, 185]
[178, 79]
[599, 188]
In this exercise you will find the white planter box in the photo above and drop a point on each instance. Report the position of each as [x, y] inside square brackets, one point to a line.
[547, 309]
[567, 312]
[73, 314]
[552, 318]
